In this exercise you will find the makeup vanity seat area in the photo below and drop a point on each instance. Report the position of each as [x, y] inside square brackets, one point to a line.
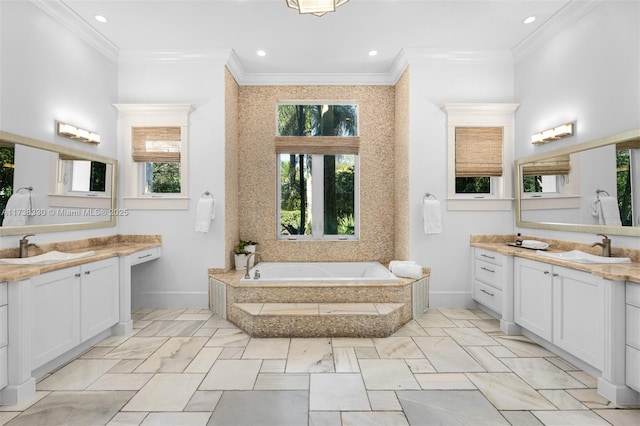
[57, 311]
[586, 313]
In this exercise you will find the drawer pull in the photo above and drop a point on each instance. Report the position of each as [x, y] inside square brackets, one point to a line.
[546, 272]
[146, 255]
[487, 256]
[555, 275]
[77, 275]
[486, 292]
[487, 269]
[87, 272]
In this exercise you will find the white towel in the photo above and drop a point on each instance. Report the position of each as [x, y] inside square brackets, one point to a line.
[408, 271]
[431, 216]
[395, 263]
[610, 214]
[15, 213]
[205, 213]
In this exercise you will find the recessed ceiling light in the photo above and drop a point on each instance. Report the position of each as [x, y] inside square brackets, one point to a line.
[261, 53]
[373, 52]
[101, 19]
[529, 20]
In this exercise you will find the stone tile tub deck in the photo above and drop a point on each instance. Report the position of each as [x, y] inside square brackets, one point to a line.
[317, 309]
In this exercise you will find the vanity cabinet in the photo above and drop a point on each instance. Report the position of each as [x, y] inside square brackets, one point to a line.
[563, 306]
[70, 306]
[3, 335]
[632, 348]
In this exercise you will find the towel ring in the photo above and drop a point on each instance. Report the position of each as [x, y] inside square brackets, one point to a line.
[206, 194]
[599, 191]
[428, 195]
[28, 188]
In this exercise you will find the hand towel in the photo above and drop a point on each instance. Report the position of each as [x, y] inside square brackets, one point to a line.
[408, 271]
[205, 213]
[15, 213]
[431, 216]
[395, 263]
[610, 213]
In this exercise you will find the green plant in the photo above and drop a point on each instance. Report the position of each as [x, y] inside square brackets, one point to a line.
[241, 247]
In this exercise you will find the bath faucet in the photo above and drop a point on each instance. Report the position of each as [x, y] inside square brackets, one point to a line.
[605, 244]
[25, 244]
[254, 254]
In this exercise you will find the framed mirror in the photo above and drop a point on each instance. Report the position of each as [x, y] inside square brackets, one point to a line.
[591, 187]
[49, 188]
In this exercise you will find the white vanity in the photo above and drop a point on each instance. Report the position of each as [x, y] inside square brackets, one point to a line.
[57, 311]
[588, 314]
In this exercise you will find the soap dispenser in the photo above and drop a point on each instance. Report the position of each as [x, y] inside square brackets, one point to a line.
[519, 240]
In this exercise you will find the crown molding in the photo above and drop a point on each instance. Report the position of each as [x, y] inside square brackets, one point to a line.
[565, 17]
[62, 14]
[212, 56]
[438, 55]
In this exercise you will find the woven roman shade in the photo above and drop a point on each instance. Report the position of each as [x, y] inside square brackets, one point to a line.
[630, 144]
[478, 151]
[156, 144]
[560, 165]
[326, 145]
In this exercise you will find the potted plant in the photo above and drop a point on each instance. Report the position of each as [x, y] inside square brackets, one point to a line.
[241, 251]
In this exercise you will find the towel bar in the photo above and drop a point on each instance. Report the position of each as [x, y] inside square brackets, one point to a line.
[427, 195]
[206, 194]
[599, 191]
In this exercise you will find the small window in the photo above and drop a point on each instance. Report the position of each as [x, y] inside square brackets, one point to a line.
[478, 159]
[88, 176]
[544, 176]
[156, 150]
[628, 178]
[317, 154]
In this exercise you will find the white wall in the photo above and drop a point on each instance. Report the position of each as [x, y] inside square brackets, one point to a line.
[588, 73]
[436, 81]
[179, 277]
[48, 73]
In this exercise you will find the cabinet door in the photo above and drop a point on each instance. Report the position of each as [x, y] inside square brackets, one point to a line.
[532, 296]
[98, 297]
[578, 314]
[54, 324]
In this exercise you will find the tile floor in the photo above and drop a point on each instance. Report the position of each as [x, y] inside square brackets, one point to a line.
[184, 367]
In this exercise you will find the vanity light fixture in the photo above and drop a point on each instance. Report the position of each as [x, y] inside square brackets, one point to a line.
[73, 132]
[315, 7]
[556, 133]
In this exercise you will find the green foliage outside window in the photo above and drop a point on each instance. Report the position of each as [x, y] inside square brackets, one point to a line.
[7, 155]
[162, 178]
[623, 180]
[473, 185]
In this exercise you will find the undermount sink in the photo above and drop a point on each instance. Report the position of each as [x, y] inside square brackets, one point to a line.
[582, 257]
[46, 258]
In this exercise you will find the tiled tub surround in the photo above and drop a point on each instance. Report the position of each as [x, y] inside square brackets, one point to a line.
[56, 311]
[576, 310]
[315, 309]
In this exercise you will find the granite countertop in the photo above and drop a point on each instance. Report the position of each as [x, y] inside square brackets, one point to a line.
[103, 248]
[617, 272]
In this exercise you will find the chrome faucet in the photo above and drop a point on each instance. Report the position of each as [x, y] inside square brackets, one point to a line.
[25, 244]
[254, 254]
[605, 244]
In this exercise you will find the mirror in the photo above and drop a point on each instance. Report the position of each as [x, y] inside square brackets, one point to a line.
[592, 187]
[47, 188]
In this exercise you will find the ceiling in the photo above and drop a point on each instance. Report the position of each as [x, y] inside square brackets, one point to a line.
[337, 43]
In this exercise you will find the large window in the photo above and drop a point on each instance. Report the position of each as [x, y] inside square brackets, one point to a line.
[317, 154]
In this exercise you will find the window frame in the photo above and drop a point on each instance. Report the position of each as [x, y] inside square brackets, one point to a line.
[153, 115]
[317, 190]
[481, 115]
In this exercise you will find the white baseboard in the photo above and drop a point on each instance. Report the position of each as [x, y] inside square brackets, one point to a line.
[169, 299]
[451, 299]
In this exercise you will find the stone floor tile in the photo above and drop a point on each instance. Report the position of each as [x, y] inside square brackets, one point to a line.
[384, 401]
[374, 418]
[446, 355]
[128, 419]
[337, 392]
[444, 381]
[165, 392]
[173, 419]
[77, 375]
[268, 408]
[387, 374]
[324, 418]
[203, 401]
[506, 391]
[620, 417]
[569, 418]
[231, 374]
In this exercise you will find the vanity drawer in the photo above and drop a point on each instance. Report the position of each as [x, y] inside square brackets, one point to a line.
[3, 294]
[632, 374]
[633, 294]
[488, 273]
[488, 296]
[145, 255]
[633, 326]
[489, 256]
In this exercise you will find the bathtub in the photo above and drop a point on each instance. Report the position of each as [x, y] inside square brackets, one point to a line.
[325, 272]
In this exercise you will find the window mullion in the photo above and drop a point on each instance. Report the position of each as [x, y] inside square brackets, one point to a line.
[317, 199]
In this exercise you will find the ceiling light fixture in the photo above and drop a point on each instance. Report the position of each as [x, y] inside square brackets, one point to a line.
[101, 19]
[373, 52]
[315, 7]
[261, 53]
[529, 20]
